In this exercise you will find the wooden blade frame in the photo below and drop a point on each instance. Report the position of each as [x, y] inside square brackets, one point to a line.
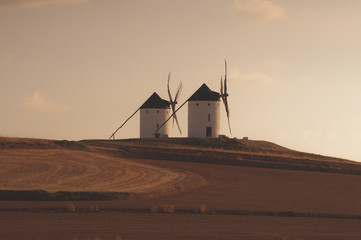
[224, 95]
[113, 135]
[173, 103]
[156, 131]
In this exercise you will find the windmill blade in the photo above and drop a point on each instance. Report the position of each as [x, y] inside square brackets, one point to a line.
[225, 78]
[176, 120]
[179, 90]
[174, 102]
[228, 113]
[224, 95]
[225, 102]
[169, 94]
[180, 87]
[113, 135]
[229, 126]
[226, 107]
[173, 109]
[156, 131]
[222, 87]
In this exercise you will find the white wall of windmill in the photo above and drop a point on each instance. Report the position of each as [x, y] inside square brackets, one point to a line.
[151, 119]
[204, 118]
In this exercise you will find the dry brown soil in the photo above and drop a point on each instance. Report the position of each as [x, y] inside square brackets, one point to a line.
[116, 226]
[73, 170]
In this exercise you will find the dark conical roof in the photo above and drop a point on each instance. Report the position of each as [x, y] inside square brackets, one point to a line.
[155, 101]
[204, 94]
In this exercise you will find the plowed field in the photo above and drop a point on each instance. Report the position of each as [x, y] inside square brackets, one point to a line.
[70, 170]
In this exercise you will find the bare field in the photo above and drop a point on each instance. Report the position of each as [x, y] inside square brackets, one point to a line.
[73, 170]
[116, 226]
[213, 192]
[245, 188]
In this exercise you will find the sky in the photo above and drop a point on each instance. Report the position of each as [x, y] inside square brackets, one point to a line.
[76, 69]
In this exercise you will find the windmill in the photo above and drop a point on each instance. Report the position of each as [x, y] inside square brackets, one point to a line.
[204, 110]
[153, 112]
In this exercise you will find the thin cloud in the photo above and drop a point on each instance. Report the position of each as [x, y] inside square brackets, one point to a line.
[263, 9]
[6, 4]
[40, 104]
[272, 63]
[7, 58]
[252, 78]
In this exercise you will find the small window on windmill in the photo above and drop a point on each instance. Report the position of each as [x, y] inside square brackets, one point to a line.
[209, 117]
[157, 111]
[197, 104]
[209, 104]
[146, 111]
[157, 125]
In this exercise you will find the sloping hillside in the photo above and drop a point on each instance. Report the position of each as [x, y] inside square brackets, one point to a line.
[224, 151]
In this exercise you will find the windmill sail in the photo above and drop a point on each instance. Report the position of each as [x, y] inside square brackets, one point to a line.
[174, 102]
[156, 131]
[224, 95]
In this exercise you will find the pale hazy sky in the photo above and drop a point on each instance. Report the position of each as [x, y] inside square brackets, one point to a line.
[75, 69]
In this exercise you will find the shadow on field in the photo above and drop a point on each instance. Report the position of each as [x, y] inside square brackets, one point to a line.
[42, 195]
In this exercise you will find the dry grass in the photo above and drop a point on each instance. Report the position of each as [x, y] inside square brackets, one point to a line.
[180, 187]
[98, 238]
[71, 208]
[172, 226]
[94, 208]
[203, 208]
[168, 208]
[154, 209]
[291, 238]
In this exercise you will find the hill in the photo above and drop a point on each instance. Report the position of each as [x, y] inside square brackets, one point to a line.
[225, 151]
[38, 169]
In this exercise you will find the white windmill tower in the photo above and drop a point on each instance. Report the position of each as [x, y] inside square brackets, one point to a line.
[204, 110]
[153, 112]
[204, 113]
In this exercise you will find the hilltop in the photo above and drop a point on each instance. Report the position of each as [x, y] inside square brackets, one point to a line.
[225, 151]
